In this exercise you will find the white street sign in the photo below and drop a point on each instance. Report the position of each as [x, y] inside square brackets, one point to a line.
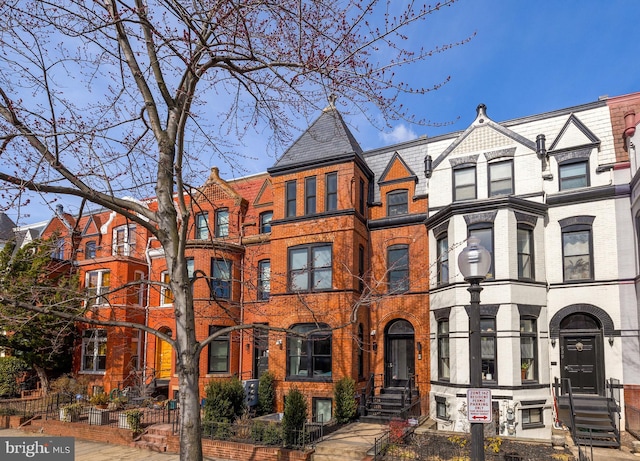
[479, 405]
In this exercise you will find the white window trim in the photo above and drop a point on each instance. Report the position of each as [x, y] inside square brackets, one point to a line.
[164, 289]
[129, 242]
[96, 347]
[101, 290]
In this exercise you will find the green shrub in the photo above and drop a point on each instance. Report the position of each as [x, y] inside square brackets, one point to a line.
[266, 393]
[295, 415]
[8, 411]
[272, 434]
[224, 400]
[134, 419]
[345, 397]
[11, 368]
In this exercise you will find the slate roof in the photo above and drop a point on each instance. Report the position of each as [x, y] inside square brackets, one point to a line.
[6, 227]
[327, 140]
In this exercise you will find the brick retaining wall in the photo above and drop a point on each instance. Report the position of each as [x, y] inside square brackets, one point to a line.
[213, 448]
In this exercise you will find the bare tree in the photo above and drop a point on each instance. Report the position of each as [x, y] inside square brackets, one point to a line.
[106, 100]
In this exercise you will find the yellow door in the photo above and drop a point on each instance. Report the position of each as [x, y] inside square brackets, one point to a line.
[163, 359]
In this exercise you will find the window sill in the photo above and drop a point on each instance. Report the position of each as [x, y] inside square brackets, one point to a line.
[532, 426]
[89, 372]
[324, 379]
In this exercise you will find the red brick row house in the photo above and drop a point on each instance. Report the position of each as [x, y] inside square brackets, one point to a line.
[356, 251]
[302, 247]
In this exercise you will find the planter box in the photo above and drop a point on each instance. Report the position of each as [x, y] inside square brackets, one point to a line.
[122, 421]
[98, 417]
[69, 416]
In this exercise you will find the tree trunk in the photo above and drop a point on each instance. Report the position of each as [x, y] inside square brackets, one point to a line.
[44, 379]
[190, 424]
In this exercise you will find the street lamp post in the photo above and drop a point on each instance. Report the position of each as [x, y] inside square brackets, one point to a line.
[474, 263]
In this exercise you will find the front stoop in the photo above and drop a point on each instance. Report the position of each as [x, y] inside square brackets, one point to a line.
[154, 439]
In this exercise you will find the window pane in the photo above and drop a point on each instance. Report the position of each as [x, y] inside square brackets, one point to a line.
[527, 326]
[219, 354]
[291, 198]
[443, 260]
[465, 183]
[310, 195]
[298, 258]
[265, 222]
[397, 203]
[573, 175]
[264, 279]
[332, 192]
[322, 410]
[525, 268]
[322, 279]
[501, 181]
[577, 258]
[486, 240]
[222, 223]
[487, 325]
[202, 226]
[299, 281]
[321, 256]
[309, 358]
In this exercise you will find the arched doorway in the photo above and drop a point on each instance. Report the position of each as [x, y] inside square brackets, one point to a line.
[163, 356]
[398, 353]
[581, 350]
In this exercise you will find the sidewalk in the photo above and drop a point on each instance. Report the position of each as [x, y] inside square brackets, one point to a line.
[103, 451]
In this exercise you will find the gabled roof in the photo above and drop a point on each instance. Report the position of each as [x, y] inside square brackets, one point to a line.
[489, 129]
[265, 194]
[397, 170]
[327, 140]
[574, 133]
[92, 227]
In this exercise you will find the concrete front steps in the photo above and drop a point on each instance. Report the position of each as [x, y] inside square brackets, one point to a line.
[155, 438]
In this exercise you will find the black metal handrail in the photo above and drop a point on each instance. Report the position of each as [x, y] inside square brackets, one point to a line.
[367, 395]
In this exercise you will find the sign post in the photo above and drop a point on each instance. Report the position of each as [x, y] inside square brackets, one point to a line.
[479, 405]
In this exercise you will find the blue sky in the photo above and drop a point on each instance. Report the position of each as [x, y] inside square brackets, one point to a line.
[527, 57]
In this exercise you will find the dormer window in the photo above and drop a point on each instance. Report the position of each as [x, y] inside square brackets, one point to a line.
[574, 174]
[397, 202]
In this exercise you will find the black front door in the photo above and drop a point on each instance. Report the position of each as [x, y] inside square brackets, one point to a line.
[579, 362]
[399, 355]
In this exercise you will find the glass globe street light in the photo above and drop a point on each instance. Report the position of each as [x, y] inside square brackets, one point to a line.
[474, 263]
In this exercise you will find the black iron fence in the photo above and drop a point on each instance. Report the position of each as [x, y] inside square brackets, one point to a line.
[134, 418]
[35, 407]
[66, 408]
[246, 430]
